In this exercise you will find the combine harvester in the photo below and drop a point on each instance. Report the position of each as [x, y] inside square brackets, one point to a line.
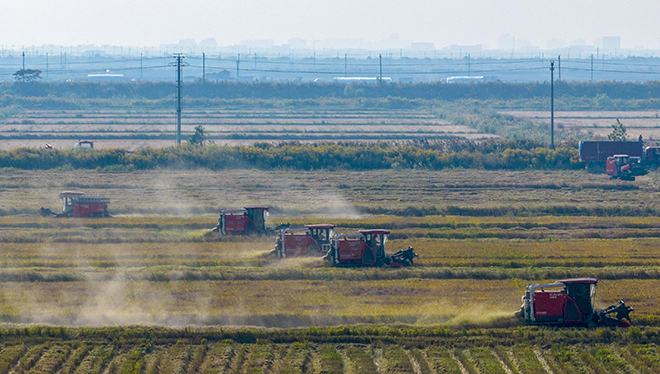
[310, 240]
[77, 204]
[366, 249]
[246, 221]
[570, 302]
[348, 250]
[625, 167]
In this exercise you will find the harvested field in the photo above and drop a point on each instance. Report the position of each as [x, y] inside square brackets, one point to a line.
[598, 123]
[134, 129]
[156, 263]
[339, 194]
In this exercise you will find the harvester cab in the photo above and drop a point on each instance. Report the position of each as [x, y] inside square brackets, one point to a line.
[322, 234]
[77, 204]
[364, 249]
[569, 302]
[312, 239]
[249, 220]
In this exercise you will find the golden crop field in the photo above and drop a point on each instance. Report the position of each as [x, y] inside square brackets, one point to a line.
[153, 290]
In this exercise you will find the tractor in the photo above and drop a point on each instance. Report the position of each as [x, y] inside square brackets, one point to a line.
[246, 221]
[624, 167]
[570, 302]
[312, 239]
[77, 204]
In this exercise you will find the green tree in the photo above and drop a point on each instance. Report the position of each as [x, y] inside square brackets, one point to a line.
[618, 132]
[199, 137]
[27, 75]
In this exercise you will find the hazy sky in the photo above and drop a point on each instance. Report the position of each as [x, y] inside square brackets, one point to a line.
[155, 22]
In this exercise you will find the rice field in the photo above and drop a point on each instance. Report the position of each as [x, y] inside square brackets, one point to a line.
[353, 351]
[153, 290]
[137, 128]
[598, 123]
[339, 194]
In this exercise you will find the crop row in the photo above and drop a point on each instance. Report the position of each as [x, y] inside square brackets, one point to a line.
[292, 303]
[124, 229]
[186, 356]
[616, 257]
[428, 222]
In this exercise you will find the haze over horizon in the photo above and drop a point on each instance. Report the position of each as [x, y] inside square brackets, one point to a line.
[468, 22]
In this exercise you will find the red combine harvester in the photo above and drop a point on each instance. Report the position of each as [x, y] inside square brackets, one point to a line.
[624, 167]
[312, 239]
[76, 204]
[570, 302]
[249, 220]
[366, 249]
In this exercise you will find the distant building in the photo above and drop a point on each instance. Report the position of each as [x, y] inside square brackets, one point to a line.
[208, 43]
[258, 43]
[611, 42]
[506, 42]
[106, 77]
[465, 79]
[422, 46]
[222, 75]
[360, 79]
[462, 50]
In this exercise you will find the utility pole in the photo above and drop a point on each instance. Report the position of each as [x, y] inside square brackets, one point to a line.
[140, 66]
[204, 67]
[345, 64]
[23, 66]
[179, 65]
[468, 60]
[592, 68]
[380, 63]
[552, 105]
[559, 63]
[238, 67]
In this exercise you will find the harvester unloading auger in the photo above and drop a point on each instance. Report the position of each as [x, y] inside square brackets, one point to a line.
[570, 302]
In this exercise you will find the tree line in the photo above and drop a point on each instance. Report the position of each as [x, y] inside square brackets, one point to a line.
[292, 90]
[493, 154]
